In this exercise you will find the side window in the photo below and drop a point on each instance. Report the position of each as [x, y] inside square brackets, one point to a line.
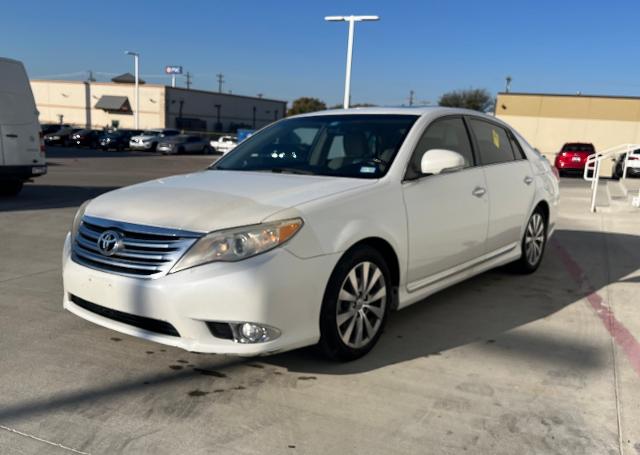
[517, 148]
[336, 150]
[447, 133]
[494, 145]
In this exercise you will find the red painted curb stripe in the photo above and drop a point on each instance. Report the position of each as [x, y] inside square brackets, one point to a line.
[620, 334]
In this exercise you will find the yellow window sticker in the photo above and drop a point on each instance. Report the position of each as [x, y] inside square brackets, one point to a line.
[496, 138]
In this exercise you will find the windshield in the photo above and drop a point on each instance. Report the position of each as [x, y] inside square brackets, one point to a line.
[362, 146]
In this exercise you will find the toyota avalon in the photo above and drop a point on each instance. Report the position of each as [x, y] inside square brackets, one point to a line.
[312, 232]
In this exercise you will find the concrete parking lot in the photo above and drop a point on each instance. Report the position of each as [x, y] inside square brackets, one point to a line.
[500, 364]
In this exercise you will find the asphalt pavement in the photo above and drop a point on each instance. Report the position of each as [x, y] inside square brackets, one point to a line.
[499, 364]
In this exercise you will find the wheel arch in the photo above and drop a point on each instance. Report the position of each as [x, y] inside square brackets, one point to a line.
[391, 259]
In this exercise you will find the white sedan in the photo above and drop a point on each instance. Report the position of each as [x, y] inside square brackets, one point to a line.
[312, 232]
[223, 144]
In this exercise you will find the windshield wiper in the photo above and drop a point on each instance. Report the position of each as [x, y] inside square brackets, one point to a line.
[290, 170]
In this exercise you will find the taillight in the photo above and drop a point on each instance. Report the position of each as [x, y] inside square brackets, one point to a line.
[631, 157]
[42, 149]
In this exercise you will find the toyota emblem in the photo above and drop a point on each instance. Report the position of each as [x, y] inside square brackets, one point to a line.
[109, 243]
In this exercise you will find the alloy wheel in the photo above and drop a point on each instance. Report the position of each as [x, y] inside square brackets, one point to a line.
[534, 239]
[361, 304]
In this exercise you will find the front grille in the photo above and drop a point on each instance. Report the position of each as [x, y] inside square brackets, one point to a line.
[144, 251]
[151, 325]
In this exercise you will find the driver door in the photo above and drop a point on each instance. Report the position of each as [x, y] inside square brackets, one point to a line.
[448, 213]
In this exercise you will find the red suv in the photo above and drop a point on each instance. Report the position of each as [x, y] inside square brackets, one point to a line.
[573, 157]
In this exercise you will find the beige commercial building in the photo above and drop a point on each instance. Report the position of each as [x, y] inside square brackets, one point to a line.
[549, 121]
[100, 104]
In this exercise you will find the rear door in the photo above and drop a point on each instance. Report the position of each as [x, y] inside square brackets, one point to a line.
[510, 182]
[19, 127]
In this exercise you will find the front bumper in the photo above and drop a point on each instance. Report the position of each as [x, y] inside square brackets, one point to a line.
[140, 145]
[276, 289]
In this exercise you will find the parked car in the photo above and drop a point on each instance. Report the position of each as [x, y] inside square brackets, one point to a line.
[48, 128]
[148, 140]
[572, 158]
[183, 144]
[115, 140]
[22, 153]
[312, 231]
[223, 144]
[633, 165]
[85, 138]
[59, 136]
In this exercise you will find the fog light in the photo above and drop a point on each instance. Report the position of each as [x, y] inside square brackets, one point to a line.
[249, 332]
[252, 332]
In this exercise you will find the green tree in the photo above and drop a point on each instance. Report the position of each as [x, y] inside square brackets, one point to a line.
[306, 104]
[477, 99]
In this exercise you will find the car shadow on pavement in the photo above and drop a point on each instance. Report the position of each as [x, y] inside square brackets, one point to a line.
[36, 197]
[487, 307]
[484, 310]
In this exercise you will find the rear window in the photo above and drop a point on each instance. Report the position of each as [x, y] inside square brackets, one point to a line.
[578, 148]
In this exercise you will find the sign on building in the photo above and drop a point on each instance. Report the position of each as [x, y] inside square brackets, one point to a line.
[173, 69]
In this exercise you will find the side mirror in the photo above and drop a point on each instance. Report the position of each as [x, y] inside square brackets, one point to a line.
[437, 161]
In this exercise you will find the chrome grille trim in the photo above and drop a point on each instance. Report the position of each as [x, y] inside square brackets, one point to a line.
[147, 251]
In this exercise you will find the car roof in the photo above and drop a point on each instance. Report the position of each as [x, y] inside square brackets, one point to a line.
[418, 111]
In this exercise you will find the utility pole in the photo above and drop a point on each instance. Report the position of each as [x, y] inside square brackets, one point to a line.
[411, 94]
[351, 20]
[218, 124]
[220, 78]
[91, 78]
[507, 88]
[188, 76]
[136, 66]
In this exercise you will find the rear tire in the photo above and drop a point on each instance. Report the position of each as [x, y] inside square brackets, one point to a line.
[11, 188]
[355, 305]
[534, 241]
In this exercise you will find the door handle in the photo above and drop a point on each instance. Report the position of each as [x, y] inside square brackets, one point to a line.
[11, 135]
[528, 180]
[478, 191]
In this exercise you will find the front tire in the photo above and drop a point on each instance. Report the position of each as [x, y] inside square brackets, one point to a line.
[355, 305]
[533, 244]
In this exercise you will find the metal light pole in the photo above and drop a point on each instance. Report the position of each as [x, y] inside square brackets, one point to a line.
[136, 113]
[352, 20]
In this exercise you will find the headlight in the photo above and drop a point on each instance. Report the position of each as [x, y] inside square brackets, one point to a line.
[78, 219]
[239, 243]
[54, 138]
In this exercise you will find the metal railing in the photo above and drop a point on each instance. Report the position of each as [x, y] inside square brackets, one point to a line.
[594, 165]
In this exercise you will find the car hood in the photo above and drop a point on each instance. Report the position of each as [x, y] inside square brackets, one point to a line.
[211, 200]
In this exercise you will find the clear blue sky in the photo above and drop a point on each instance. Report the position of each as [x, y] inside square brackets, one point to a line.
[284, 49]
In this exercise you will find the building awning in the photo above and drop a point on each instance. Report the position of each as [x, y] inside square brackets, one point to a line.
[126, 78]
[114, 103]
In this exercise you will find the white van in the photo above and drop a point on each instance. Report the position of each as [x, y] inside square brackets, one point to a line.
[21, 148]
